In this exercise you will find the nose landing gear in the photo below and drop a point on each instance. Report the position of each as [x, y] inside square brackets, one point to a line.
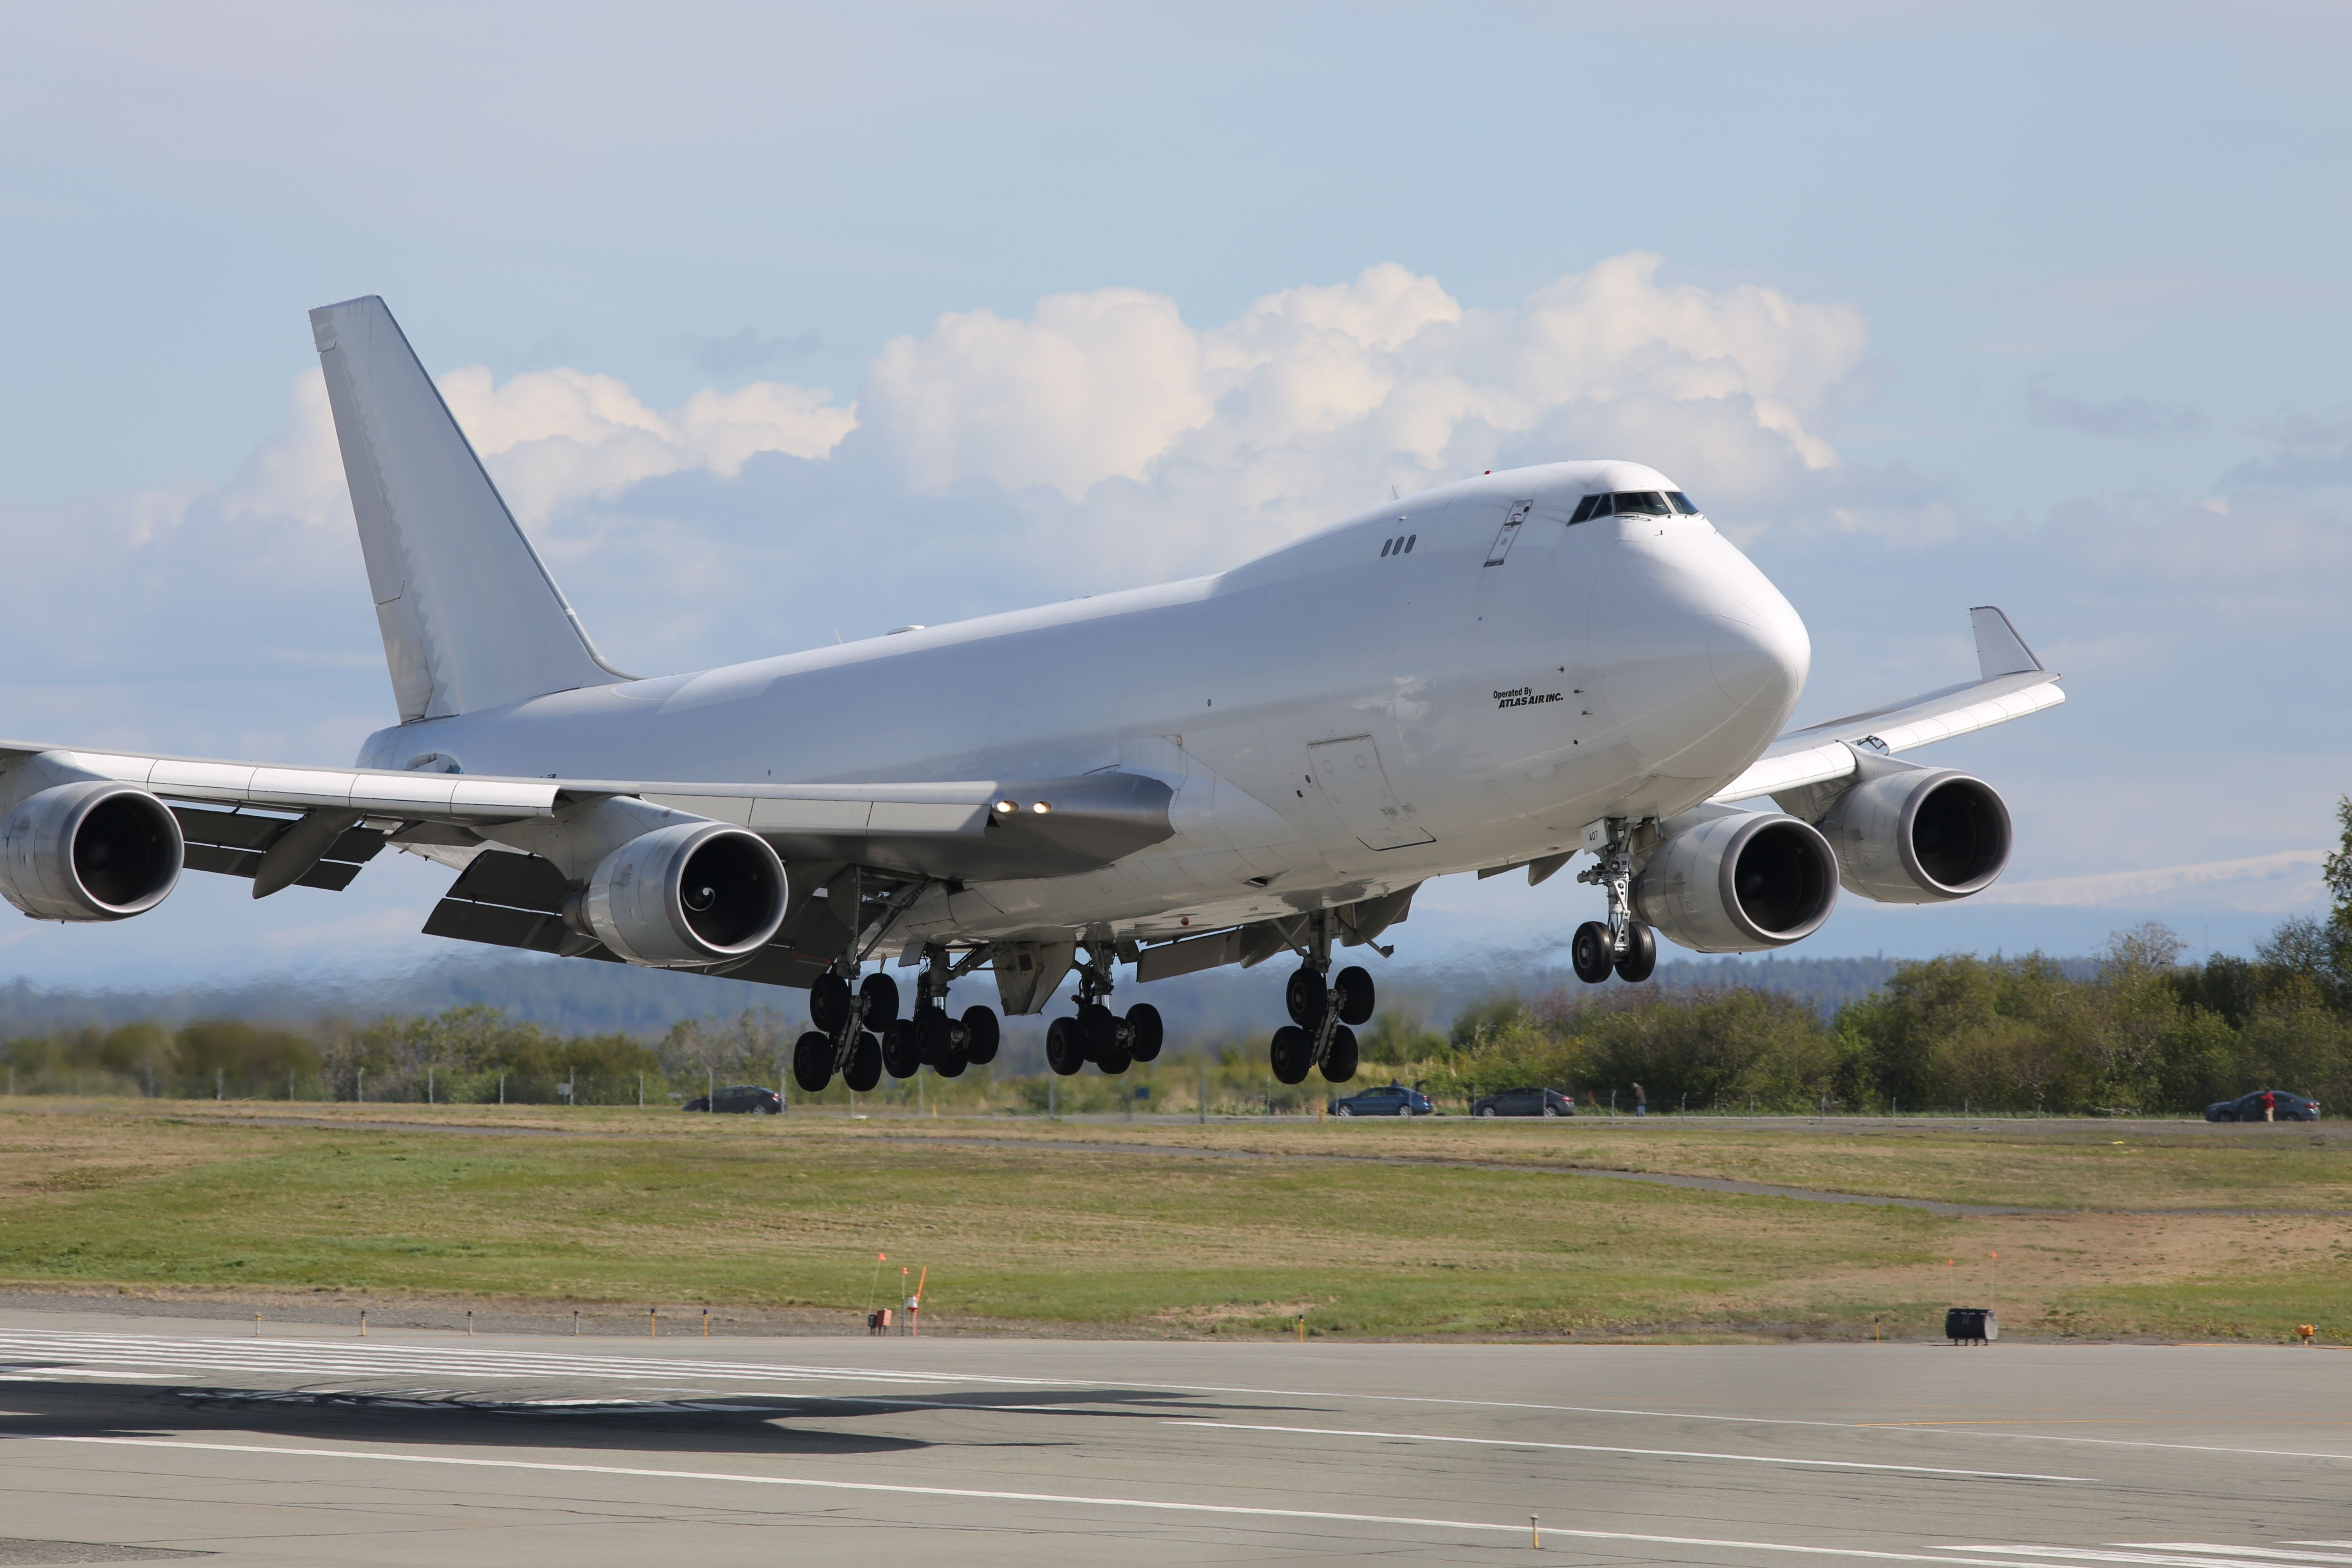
[1623, 945]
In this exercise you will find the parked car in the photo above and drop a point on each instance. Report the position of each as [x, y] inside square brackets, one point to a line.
[1389, 1099]
[743, 1099]
[1524, 1102]
[2285, 1107]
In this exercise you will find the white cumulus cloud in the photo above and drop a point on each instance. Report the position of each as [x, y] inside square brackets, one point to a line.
[1201, 443]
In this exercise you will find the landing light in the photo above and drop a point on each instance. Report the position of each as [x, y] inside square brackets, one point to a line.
[1042, 808]
[1007, 807]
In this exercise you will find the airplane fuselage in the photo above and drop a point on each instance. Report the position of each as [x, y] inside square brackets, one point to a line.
[1462, 680]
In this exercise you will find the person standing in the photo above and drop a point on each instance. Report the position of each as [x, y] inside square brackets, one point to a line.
[2270, 1106]
[1641, 1101]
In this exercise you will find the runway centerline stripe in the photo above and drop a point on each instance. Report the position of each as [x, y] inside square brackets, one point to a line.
[1603, 1448]
[889, 1489]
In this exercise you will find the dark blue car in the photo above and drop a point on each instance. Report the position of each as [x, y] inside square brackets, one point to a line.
[2284, 1107]
[740, 1100]
[1527, 1102]
[1389, 1099]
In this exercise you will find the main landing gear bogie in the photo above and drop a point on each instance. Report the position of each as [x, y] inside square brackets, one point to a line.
[1324, 1013]
[1096, 1034]
[860, 1036]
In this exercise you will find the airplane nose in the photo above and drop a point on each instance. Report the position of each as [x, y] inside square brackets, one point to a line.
[1760, 660]
[1704, 657]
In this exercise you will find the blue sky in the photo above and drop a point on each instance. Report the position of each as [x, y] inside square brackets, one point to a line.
[777, 322]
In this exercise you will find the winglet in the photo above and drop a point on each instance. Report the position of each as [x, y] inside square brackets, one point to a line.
[1999, 650]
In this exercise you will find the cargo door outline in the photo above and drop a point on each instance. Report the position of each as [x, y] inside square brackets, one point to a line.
[1508, 533]
[1348, 775]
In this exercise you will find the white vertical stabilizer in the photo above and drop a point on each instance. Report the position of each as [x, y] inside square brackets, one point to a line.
[470, 618]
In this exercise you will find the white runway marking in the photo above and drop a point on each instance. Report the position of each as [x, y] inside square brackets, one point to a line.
[2091, 1554]
[1149, 1504]
[2239, 1550]
[1648, 1453]
[348, 1359]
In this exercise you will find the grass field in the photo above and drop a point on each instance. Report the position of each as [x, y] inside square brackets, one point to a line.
[1432, 1227]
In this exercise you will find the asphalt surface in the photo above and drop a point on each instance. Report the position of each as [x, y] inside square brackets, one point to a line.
[126, 1439]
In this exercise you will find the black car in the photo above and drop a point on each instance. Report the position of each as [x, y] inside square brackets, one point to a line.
[743, 1099]
[1524, 1102]
[1389, 1099]
[2284, 1107]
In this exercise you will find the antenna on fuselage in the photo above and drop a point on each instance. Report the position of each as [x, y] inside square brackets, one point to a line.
[1392, 493]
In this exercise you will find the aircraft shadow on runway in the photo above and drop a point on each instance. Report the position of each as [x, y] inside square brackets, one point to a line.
[716, 1424]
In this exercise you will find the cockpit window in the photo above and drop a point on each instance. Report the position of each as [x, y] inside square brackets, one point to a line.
[1622, 503]
[1648, 502]
[1587, 507]
[1681, 503]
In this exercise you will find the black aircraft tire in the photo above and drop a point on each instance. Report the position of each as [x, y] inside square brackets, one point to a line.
[812, 1063]
[1339, 1062]
[951, 1062]
[1097, 1031]
[1113, 1061]
[930, 1029]
[1292, 1055]
[1352, 995]
[980, 1035]
[1063, 1053]
[865, 1070]
[901, 1057]
[1588, 953]
[1641, 960]
[829, 1003]
[880, 993]
[1306, 997]
[1144, 1032]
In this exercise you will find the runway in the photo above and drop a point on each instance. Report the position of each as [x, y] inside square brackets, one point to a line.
[306, 1445]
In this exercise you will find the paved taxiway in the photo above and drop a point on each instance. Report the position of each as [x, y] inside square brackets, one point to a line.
[315, 1447]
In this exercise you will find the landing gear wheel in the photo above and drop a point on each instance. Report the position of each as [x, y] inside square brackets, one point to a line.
[1063, 1053]
[1113, 1061]
[1293, 1054]
[952, 1060]
[1641, 959]
[1306, 997]
[980, 1035]
[1339, 1062]
[1144, 1032]
[900, 1056]
[813, 1062]
[1352, 995]
[1099, 1032]
[865, 1069]
[1589, 954]
[829, 1003]
[880, 993]
[930, 1029]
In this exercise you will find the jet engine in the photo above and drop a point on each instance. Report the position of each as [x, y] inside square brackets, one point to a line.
[687, 896]
[1919, 836]
[1737, 882]
[91, 850]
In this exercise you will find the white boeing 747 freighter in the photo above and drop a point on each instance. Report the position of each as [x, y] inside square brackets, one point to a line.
[1502, 673]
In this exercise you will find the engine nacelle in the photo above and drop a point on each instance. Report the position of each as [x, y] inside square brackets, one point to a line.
[687, 896]
[92, 850]
[1739, 882]
[1920, 836]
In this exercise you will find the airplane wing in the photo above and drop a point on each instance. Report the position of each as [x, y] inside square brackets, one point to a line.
[971, 829]
[2012, 683]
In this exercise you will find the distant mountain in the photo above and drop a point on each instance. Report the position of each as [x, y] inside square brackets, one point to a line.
[572, 996]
